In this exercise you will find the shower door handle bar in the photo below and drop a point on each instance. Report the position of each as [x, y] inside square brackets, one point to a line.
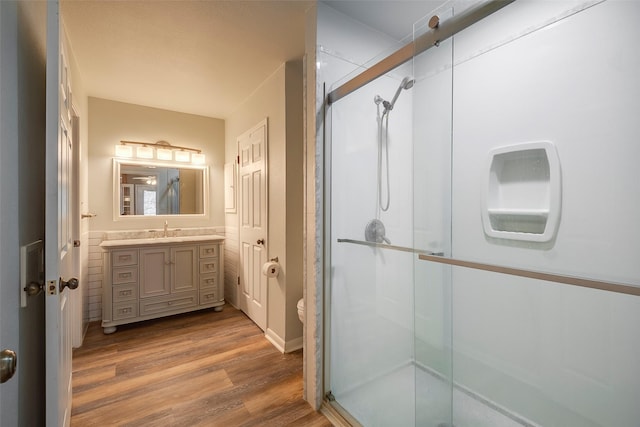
[387, 246]
[422, 43]
[619, 288]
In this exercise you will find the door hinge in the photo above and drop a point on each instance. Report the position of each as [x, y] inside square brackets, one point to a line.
[238, 280]
[238, 159]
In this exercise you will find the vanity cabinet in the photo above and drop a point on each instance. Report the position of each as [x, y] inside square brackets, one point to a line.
[160, 278]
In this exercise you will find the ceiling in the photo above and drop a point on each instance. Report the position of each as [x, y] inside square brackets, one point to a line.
[202, 57]
[198, 57]
[392, 17]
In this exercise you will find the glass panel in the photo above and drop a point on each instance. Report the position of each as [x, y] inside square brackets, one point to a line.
[372, 288]
[529, 352]
[432, 124]
[544, 87]
[390, 355]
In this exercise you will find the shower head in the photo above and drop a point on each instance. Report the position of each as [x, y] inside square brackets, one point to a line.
[406, 83]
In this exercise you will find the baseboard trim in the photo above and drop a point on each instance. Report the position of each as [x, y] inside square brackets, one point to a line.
[282, 345]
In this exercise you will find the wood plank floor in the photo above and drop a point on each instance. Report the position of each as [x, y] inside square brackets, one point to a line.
[197, 369]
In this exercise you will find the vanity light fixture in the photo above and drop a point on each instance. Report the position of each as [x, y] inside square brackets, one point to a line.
[144, 152]
[124, 150]
[164, 154]
[160, 150]
[183, 156]
[197, 159]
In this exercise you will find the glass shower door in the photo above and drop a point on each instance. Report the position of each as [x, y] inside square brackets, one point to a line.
[388, 333]
[371, 284]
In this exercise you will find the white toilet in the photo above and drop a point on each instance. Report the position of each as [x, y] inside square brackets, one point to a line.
[301, 310]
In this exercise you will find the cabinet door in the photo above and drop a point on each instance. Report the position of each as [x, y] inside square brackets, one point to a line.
[155, 267]
[184, 273]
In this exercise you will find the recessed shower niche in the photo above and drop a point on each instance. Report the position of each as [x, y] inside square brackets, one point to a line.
[522, 196]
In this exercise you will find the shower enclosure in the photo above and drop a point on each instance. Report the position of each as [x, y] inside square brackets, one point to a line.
[500, 282]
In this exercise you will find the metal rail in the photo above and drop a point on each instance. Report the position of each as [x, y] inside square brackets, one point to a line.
[549, 277]
[387, 246]
[441, 32]
[439, 258]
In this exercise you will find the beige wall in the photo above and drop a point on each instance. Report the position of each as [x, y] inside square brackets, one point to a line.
[279, 99]
[111, 122]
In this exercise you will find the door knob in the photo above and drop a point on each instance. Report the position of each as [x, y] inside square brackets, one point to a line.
[260, 241]
[33, 288]
[8, 364]
[71, 284]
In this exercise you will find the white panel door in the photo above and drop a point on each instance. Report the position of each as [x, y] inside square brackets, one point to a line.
[58, 228]
[252, 171]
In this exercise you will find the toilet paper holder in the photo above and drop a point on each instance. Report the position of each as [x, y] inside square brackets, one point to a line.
[271, 268]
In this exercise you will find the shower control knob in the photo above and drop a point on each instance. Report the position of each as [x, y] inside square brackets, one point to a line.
[260, 241]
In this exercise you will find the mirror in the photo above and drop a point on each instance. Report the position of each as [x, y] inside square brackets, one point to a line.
[153, 189]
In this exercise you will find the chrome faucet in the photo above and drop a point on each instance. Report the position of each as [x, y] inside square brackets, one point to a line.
[166, 227]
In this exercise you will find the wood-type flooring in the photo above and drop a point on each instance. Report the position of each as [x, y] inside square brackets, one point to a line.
[198, 369]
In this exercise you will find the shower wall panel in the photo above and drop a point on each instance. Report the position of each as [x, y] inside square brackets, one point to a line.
[554, 354]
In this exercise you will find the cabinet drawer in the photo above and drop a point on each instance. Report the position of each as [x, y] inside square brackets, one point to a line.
[208, 281]
[167, 304]
[124, 257]
[126, 292]
[209, 266]
[125, 275]
[125, 310]
[209, 296]
[208, 251]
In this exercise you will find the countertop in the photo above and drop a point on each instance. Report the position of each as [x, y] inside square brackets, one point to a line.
[161, 241]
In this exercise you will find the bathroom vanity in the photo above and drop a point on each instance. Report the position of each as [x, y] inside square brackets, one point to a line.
[155, 277]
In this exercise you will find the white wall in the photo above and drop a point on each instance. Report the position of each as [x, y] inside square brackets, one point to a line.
[279, 99]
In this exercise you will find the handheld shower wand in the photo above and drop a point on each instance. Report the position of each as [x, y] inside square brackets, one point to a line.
[406, 83]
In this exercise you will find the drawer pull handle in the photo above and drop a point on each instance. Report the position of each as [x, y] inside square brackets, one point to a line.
[125, 275]
[125, 293]
[124, 257]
